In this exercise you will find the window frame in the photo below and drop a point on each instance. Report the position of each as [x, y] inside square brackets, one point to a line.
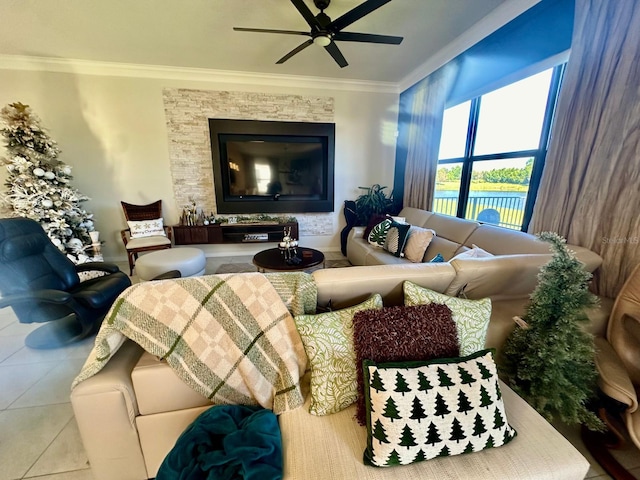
[539, 154]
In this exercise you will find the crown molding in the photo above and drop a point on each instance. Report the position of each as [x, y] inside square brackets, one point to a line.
[499, 17]
[159, 72]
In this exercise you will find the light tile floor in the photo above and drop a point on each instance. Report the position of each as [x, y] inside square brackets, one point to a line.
[39, 438]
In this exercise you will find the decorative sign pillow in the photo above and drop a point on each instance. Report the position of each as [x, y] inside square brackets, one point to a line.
[328, 341]
[401, 333]
[378, 233]
[417, 242]
[146, 228]
[396, 238]
[470, 316]
[422, 410]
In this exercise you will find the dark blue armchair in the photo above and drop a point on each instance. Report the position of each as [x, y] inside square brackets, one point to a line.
[42, 285]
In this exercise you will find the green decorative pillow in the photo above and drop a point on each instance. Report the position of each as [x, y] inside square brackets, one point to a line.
[471, 316]
[396, 238]
[422, 410]
[328, 341]
[378, 233]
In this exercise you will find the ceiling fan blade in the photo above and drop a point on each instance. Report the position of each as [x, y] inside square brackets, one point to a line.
[355, 14]
[367, 38]
[306, 13]
[298, 49]
[266, 30]
[335, 52]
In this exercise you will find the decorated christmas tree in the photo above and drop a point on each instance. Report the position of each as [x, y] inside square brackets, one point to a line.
[38, 184]
[549, 358]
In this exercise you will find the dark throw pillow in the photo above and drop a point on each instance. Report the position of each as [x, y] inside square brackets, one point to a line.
[396, 238]
[398, 334]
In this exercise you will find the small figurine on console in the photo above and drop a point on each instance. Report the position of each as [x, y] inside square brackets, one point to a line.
[289, 248]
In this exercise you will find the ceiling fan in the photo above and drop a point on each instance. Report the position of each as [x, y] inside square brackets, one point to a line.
[325, 32]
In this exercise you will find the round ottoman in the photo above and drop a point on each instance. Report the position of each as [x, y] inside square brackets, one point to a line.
[190, 262]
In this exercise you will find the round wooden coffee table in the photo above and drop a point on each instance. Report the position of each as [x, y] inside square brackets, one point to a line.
[272, 259]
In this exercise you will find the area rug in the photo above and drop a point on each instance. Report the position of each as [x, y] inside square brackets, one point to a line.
[249, 267]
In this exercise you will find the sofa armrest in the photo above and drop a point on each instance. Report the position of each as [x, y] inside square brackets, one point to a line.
[613, 379]
[105, 409]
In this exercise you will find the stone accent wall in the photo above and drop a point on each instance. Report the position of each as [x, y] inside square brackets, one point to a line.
[187, 113]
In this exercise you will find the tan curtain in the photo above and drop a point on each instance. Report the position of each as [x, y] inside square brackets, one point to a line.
[590, 189]
[425, 129]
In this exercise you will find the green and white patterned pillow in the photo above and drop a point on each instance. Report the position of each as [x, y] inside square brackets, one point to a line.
[328, 341]
[470, 316]
[417, 411]
[378, 234]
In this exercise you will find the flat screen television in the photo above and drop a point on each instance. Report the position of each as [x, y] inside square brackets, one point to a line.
[272, 167]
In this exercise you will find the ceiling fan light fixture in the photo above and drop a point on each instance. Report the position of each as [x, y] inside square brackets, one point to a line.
[322, 40]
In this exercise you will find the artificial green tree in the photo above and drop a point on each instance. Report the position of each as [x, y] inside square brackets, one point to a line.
[549, 359]
[38, 184]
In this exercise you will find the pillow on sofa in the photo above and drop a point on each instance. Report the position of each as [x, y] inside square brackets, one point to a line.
[146, 228]
[474, 252]
[328, 341]
[396, 238]
[401, 333]
[421, 410]
[374, 220]
[437, 259]
[378, 234]
[470, 316]
[417, 242]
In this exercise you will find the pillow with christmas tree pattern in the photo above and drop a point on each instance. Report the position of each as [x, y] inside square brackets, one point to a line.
[470, 316]
[422, 410]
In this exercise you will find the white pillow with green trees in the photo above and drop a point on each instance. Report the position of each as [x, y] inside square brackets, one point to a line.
[417, 411]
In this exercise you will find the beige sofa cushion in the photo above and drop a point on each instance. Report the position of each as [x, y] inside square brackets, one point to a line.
[499, 277]
[348, 288]
[331, 448]
[504, 241]
[415, 216]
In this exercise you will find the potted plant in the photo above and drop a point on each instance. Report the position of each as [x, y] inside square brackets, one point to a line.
[374, 200]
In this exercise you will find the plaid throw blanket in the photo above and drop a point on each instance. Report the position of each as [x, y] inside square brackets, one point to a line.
[231, 337]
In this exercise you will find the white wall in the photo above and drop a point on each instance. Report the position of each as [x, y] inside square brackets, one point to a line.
[111, 130]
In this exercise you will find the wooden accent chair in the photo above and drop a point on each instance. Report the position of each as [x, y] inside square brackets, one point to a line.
[144, 240]
[618, 364]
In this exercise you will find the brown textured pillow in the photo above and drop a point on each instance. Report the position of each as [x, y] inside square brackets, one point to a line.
[396, 334]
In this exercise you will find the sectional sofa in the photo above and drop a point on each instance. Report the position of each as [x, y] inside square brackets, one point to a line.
[131, 413]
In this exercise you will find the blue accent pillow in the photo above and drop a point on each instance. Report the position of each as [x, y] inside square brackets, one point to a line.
[437, 259]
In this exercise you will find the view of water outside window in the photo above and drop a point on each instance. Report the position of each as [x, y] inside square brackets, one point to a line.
[510, 120]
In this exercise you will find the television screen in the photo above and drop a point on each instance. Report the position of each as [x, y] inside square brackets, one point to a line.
[272, 167]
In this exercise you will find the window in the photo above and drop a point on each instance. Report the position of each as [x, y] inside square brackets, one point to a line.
[492, 152]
